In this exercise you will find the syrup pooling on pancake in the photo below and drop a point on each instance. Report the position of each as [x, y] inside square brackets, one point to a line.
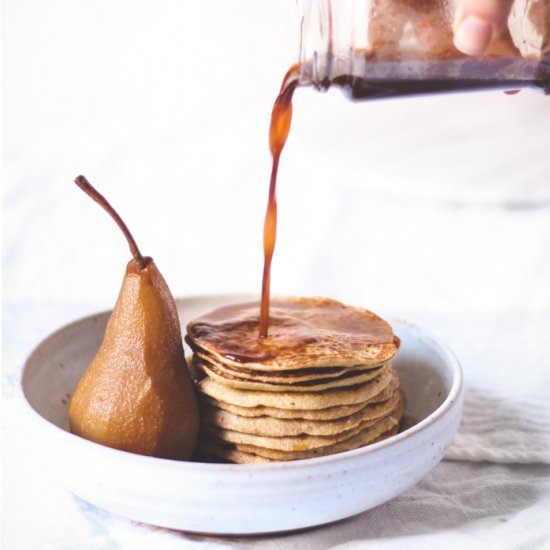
[302, 332]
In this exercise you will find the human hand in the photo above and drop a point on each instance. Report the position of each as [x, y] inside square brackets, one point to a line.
[478, 22]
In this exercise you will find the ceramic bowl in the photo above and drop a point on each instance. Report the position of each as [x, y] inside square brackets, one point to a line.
[240, 499]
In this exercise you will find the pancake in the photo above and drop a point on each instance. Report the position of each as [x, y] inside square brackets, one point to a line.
[303, 333]
[321, 382]
[296, 400]
[330, 413]
[360, 439]
[350, 378]
[287, 376]
[301, 442]
[276, 427]
[228, 452]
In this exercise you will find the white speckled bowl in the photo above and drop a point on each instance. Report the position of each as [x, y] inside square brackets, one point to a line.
[240, 499]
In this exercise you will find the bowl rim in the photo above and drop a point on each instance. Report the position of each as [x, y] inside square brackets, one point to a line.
[452, 397]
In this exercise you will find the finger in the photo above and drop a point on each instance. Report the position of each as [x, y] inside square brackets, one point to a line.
[478, 22]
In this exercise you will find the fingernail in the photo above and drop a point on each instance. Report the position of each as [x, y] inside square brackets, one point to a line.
[473, 35]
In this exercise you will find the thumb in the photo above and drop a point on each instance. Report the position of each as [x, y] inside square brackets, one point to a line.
[478, 22]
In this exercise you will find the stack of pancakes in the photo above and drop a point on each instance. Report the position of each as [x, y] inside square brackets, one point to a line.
[319, 384]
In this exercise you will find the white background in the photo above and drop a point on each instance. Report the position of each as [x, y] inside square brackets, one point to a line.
[165, 107]
[435, 208]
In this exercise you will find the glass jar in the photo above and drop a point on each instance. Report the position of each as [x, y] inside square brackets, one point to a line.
[385, 48]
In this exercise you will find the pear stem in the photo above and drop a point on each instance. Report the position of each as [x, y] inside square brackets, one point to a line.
[94, 194]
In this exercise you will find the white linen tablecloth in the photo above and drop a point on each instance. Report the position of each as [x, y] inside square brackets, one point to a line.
[435, 210]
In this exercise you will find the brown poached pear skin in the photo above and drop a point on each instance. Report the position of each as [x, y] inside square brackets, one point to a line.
[137, 393]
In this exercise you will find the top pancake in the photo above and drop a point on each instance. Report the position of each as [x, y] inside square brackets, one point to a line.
[303, 333]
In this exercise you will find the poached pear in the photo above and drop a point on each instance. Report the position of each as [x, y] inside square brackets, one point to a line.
[137, 394]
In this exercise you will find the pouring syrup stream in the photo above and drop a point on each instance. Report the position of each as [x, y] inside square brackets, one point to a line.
[281, 118]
